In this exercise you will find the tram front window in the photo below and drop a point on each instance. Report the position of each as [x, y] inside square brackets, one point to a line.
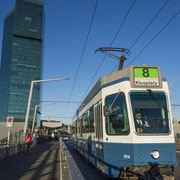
[150, 112]
[117, 122]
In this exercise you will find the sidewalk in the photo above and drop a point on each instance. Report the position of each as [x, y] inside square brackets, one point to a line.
[42, 163]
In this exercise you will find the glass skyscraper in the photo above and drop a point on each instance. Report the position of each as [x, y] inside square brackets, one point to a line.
[21, 59]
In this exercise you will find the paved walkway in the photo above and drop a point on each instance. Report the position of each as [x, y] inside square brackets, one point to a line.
[42, 163]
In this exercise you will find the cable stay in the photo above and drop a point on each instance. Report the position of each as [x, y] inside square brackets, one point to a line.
[122, 58]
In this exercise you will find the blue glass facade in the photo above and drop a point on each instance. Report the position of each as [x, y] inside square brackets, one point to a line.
[21, 60]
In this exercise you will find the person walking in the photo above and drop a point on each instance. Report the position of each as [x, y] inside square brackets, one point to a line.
[28, 142]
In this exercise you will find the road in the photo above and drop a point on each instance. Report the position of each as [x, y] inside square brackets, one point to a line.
[42, 163]
[177, 169]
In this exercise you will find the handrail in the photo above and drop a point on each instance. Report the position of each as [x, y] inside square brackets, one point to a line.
[3, 142]
[15, 138]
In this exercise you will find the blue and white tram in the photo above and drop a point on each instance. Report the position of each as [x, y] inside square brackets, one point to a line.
[106, 132]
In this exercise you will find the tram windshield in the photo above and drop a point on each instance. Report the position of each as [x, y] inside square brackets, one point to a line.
[150, 112]
[117, 122]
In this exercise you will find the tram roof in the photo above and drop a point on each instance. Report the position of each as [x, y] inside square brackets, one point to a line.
[105, 80]
[126, 73]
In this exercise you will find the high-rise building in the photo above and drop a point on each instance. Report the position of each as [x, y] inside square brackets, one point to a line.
[21, 59]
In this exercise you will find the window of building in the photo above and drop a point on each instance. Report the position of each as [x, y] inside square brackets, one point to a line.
[28, 18]
[33, 30]
[15, 44]
[14, 60]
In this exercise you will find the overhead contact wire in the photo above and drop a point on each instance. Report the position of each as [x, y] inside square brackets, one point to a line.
[149, 24]
[155, 37]
[81, 58]
[110, 46]
[144, 30]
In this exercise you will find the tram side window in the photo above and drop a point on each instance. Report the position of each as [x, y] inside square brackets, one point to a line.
[73, 128]
[117, 122]
[85, 123]
[79, 126]
[91, 120]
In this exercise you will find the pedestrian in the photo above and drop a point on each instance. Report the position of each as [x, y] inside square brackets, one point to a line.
[28, 142]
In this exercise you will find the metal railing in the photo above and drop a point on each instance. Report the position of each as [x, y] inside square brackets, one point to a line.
[15, 145]
[4, 142]
[15, 138]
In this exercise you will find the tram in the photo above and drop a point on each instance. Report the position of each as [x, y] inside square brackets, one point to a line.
[105, 129]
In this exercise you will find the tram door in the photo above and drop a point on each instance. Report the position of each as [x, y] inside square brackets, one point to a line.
[99, 130]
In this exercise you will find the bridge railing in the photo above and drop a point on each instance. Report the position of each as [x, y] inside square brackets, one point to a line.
[15, 138]
[3, 142]
[177, 138]
[15, 145]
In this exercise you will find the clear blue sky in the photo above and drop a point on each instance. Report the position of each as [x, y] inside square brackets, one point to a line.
[66, 27]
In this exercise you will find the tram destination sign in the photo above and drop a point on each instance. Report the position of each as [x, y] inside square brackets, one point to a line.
[146, 76]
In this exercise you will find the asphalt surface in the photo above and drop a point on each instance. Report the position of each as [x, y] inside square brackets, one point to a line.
[177, 168]
[42, 163]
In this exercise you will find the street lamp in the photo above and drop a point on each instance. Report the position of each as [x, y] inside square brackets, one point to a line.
[30, 96]
[36, 106]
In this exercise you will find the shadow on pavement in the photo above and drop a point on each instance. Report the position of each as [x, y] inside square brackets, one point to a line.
[41, 163]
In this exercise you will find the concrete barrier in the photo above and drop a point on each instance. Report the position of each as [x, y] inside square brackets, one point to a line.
[3, 153]
[11, 150]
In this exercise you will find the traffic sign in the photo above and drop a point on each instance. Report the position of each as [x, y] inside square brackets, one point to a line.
[10, 121]
[36, 129]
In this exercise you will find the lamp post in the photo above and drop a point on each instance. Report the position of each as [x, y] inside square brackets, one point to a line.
[30, 96]
[36, 106]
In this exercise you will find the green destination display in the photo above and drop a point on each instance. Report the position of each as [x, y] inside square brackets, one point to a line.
[146, 76]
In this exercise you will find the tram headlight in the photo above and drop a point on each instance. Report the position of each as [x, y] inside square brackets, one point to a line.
[155, 154]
